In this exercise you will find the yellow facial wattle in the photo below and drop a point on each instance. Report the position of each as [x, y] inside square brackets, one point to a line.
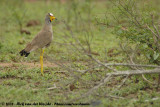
[52, 18]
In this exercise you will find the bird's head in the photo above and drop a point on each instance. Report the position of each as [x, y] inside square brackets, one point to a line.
[50, 17]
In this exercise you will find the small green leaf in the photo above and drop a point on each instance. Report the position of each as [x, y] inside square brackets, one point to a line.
[155, 55]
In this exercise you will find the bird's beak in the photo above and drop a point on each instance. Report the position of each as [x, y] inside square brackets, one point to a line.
[52, 18]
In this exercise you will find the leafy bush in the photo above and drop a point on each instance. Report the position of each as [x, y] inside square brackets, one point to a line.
[138, 25]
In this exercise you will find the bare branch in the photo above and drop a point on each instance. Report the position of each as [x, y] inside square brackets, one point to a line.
[54, 87]
[147, 80]
[152, 31]
[95, 87]
[135, 65]
[135, 72]
[123, 82]
[155, 28]
[100, 63]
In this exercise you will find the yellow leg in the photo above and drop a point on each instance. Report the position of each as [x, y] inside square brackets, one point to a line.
[41, 61]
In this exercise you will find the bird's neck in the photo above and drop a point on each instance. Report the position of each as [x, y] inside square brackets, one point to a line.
[47, 26]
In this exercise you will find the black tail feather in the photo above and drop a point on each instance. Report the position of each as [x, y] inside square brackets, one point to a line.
[23, 52]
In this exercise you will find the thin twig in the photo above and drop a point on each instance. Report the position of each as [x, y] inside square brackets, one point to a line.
[152, 31]
[147, 80]
[155, 28]
[51, 88]
[94, 88]
[123, 82]
[101, 63]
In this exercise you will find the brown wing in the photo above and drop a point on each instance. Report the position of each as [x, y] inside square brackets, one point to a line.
[42, 39]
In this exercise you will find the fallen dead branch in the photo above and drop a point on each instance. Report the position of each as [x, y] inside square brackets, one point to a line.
[135, 65]
[135, 72]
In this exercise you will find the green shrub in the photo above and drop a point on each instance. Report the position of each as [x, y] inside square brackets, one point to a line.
[138, 25]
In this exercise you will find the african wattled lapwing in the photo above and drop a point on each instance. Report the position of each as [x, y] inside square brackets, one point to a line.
[42, 40]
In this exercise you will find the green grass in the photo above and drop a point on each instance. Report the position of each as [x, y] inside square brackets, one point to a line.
[19, 83]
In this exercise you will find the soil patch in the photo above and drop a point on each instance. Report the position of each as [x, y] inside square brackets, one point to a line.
[28, 64]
